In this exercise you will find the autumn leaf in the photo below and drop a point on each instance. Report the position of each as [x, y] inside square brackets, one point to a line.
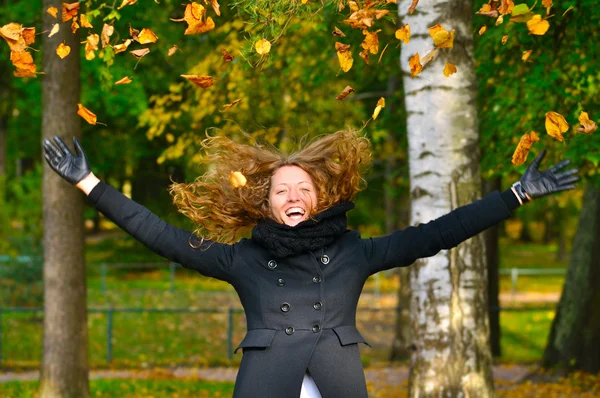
[84, 22]
[441, 37]
[107, 32]
[193, 15]
[371, 41]
[63, 50]
[23, 61]
[487, 11]
[262, 46]
[537, 25]
[449, 69]
[86, 114]
[54, 30]
[13, 34]
[482, 30]
[122, 47]
[202, 81]
[237, 179]
[556, 125]
[227, 106]
[403, 34]
[91, 45]
[140, 53]
[126, 3]
[504, 39]
[522, 151]
[415, 65]
[364, 54]
[28, 35]
[526, 55]
[69, 10]
[345, 93]
[337, 32]
[587, 126]
[125, 80]
[412, 7]
[506, 7]
[547, 3]
[344, 56]
[52, 11]
[379, 107]
[499, 20]
[74, 25]
[226, 56]
[146, 36]
[216, 7]
[172, 50]
[429, 57]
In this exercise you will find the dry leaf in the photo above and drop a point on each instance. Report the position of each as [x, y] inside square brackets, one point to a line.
[227, 106]
[23, 61]
[125, 80]
[488, 11]
[337, 32]
[371, 41]
[216, 7]
[364, 54]
[126, 3]
[344, 56]
[74, 25]
[107, 32]
[415, 65]
[537, 25]
[237, 179]
[84, 22]
[379, 107]
[556, 125]
[172, 50]
[345, 93]
[202, 81]
[91, 45]
[441, 37]
[499, 20]
[69, 11]
[52, 11]
[63, 50]
[547, 3]
[526, 55]
[403, 34]
[522, 151]
[193, 15]
[146, 36]
[506, 7]
[54, 30]
[122, 47]
[504, 39]
[587, 126]
[412, 7]
[140, 53]
[226, 56]
[12, 31]
[430, 56]
[262, 46]
[449, 69]
[482, 30]
[86, 114]
[28, 35]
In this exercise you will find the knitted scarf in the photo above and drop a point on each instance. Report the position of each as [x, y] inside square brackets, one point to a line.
[321, 230]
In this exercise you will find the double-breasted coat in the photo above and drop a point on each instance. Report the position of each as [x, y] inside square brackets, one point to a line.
[300, 311]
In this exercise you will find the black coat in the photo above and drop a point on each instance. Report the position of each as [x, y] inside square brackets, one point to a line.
[300, 311]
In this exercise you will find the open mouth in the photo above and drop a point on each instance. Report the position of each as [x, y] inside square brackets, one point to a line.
[295, 213]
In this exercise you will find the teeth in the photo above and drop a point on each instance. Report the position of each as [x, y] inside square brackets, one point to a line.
[295, 210]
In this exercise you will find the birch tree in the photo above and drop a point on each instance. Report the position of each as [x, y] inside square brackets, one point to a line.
[449, 314]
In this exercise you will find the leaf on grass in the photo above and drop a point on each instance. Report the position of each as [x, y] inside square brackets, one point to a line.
[522, 151]
[237, 179]
[403, 34]
[227, 106]
[379, 107]
[537, 25]
[84, 22]
[526, 55]
[587, 126]
[415, 65]
[556, 125]
[345, 93]
[441, 37]
[107, 32]
[202, 81]
[449, 69]
[344, 56]
[86, 114]
[52, 11]
[125, 80]
[69, 10]
[412, 7]
[262, 46]
[337, 32]
[140, 53]
[54, 30]
[193, 15]
[91, 45]
[226, 56]
[146, 36]
[172, 50]
[63, 50]
[126, 3]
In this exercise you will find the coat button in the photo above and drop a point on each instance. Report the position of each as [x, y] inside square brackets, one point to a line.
[318, 305]
[285, 307]
[316, 279]
[280, 282]
[316, 328]
[272, 264]
[289, 330]
[325, 259]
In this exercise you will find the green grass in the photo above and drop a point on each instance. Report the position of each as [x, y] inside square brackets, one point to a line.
[131, 388]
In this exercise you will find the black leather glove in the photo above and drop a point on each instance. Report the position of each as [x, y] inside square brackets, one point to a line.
[537, 183]
[72, 168]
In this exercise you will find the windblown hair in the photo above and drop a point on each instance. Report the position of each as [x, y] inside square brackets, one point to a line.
[335, 162]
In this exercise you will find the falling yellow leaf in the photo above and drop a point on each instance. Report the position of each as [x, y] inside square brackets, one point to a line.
[125, 80]
[504, 39]
[23, 61]
[500, 20]
[91, 45]
[63, 50]
[140, 53]
[522, 151]
[172, 50]
[537, 25]
[441, 37]
[146, 36]
[227, 106]
[364, 54]
[12, 31]
[403, 34]
[587, 126]
[122, 47]
[262, 46]
[506, 6]
[379, 107]
[237, 179]
[84, 22]
[126, 3]
[547, 3]
[344, 56]
[74, 25]
[54, 30]
[337, 32]
[202, 81]
[429, 57]
[412, 7]
[415, 65]
[347, 90]
[482, 30]
[371, 41]
[193, 15]
[69, 10]
[86, 114]
[556, 125]
[226, 56]
[216, 7]
[526, 55]
[449, 69]
[52, 11]
[107, 32]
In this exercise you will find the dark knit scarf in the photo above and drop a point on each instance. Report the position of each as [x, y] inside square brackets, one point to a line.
[321, 230]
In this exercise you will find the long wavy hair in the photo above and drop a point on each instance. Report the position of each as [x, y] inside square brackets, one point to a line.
[222, 213]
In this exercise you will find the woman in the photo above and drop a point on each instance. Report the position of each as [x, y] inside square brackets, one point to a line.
[300, 275]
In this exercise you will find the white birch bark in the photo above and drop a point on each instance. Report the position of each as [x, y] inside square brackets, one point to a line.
[449, 291]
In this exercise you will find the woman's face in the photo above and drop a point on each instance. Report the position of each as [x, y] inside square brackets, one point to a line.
[293, 196]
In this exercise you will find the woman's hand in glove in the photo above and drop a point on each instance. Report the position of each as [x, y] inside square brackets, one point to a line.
[535, 183]
[71, 167]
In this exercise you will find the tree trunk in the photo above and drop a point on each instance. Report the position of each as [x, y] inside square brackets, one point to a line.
[449, 312]
[574, 342]
[490, 238]
[64, 370]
